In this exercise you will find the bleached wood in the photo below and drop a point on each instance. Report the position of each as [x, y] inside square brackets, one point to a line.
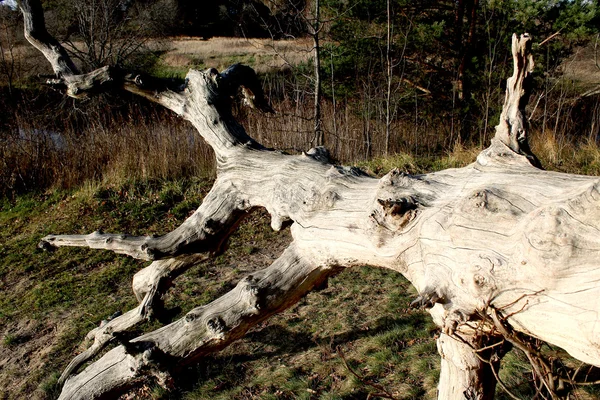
[149, 284]
[38, 36]
[464, 374]
[498, 235]
[512, 127]
[203, 330]
[205, 230]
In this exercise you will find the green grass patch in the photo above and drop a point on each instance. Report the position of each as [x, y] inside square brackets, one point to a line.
[55, 298]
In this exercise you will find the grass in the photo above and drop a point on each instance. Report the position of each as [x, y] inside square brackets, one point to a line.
[408, 163]
[295, 355]
[220, 52]
[49, 301]
[142, 166]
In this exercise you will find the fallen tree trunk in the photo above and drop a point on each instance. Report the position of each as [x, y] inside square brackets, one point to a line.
[499, 251]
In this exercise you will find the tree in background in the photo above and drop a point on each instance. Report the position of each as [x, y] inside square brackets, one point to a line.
[438, 50]
[241, 18]
[9, 62]
[101, 32]
[297, 18]
[500, 252]
[394, 76]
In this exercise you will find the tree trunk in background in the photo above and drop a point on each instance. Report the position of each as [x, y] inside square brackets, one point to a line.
[319, 139]
[388, 96]
[464, 47]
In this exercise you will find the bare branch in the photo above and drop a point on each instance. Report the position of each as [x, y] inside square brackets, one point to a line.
[204, 231]
[38, 36]
[512, 128]
[203, 330]
[149, 285]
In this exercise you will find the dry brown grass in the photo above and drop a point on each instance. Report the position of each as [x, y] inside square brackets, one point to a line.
[220, 52]
[143, 143]
[149, 143]
[567, 154]
[582, 66]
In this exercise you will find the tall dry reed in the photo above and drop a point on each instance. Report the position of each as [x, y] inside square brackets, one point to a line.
[47, 141]
[137, 141]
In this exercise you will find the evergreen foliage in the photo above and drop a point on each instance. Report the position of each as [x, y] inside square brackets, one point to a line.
[457, 50]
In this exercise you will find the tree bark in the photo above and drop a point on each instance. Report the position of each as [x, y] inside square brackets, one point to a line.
[388, 71]
[497, 242]
[315, 32]
[464, 372]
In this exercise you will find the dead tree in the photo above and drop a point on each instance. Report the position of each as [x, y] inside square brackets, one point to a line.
[499, 251]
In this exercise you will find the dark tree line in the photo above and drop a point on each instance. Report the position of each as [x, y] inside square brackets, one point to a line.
[393, 60]
[449, 55]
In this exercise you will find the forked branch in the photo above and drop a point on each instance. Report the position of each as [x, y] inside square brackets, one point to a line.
[203, 330]
[149, 285]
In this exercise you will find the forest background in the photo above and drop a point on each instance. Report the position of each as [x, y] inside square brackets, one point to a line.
[417, 85]
[422, 78]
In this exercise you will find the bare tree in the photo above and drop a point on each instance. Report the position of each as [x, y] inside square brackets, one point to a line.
[111, 32]
[307, 20]
[389, 71]
[9, 60]
[315, 33]
[500, 251]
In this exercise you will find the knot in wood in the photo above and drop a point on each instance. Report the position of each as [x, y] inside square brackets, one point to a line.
[190, 317]
[396, 178]
[453, 319]
[251, 292]
[479, 280]
[489, 205]
[395, 214]
[211, 226]
[148, 251]
[396, 207]
[216, 326]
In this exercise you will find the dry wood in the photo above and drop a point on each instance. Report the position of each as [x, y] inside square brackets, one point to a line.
[149, 285]
[499, 234]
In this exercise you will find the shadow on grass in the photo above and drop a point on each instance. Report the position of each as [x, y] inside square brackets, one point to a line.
[230, 371]
[289, 342]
